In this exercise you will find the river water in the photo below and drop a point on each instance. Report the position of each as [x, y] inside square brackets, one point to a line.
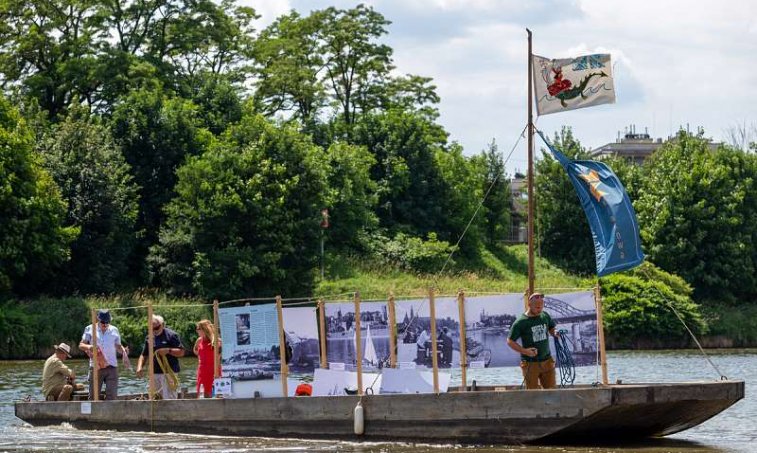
[733, 430]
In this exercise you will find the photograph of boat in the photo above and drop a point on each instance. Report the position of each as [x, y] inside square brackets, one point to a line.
[341, 336]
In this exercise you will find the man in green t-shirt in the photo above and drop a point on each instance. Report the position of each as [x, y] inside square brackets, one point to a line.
[531, 328]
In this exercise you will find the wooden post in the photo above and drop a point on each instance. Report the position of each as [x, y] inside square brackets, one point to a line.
[217, 336]
[601, 331]
[282, 348]
[95, 364]
[434, 346]
[531, 200]
[150, 353]
[358, 345]
[392, 321]
[463, 340]
[322, 329]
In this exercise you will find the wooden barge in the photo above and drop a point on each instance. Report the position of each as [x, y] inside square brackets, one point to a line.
[489, 415]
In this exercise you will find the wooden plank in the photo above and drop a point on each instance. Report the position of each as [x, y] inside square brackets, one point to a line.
[322, 331]
[392, 332]
[95, 368]
[601, 329]
[217, 338]
[282, 348]
[463, 340]
[434, 346]
[358, 345]
[150, 352]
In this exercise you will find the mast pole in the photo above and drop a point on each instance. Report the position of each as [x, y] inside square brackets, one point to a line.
[531, 201]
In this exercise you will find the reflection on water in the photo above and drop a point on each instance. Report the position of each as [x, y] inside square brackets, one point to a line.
[730, 431]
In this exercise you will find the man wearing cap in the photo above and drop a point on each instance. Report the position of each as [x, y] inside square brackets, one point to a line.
[531, 328]
[57, 378]
[108, 343]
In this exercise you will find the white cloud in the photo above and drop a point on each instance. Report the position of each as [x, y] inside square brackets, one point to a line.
[676, 62]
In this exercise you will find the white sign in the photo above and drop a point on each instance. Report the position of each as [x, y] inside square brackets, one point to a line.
[86, 408]
[336, 366]
[222, 387]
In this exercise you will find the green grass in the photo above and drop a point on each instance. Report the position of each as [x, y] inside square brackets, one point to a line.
[504, 270]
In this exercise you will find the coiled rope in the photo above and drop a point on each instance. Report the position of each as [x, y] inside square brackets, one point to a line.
[565, 362]
[171, 378]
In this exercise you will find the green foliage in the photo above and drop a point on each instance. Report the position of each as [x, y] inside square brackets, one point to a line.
[156, 134]
[332, 64]
[62, 51]
[33, 240]
[351, 193]
[563, 232]
[637, 305]
[697, 214]
[412, 253]
[414, 197]
[102, 202]
[490, 167]
[738, 325]
[16, 331]
[246, 217]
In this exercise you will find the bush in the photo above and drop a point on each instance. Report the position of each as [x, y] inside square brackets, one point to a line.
[636, 307]
[412, 253]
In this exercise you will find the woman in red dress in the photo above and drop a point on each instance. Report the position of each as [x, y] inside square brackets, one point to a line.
[203, 349]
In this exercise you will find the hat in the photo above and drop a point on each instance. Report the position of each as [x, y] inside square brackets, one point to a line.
[65, 348]
[535, 296]
[103, 316]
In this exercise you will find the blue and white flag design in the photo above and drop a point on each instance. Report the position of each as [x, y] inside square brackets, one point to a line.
[611, 216]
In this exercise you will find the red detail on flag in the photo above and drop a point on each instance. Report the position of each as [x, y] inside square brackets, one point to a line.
[559, 85]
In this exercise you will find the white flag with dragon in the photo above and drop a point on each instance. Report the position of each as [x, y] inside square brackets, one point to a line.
[572, 83]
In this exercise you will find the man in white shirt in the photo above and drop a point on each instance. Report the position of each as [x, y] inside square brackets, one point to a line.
[108, 343]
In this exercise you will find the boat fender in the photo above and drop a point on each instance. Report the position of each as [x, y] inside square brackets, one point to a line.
[359, 421]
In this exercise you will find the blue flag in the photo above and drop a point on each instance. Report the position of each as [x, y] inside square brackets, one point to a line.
[611, 216]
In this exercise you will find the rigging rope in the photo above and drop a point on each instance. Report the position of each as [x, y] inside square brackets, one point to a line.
[481, 204]
[565, 362]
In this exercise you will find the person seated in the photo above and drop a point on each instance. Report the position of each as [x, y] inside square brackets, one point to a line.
[57, 378]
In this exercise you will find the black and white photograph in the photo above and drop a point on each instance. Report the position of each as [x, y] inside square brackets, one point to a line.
[576, 317]
[301, 334]
[488, 320]
[243, 329]
[374, 334]
[414, 333]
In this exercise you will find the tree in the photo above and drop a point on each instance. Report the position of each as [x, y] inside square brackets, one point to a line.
[245, 221]
[351, 193]
[96, 183]
[64, 52]
[289, 67]
[48, 48]
[563, 231]
[411, 190]
[156, 134]
[697, 214]
[494, 186]
[356, 66]
[33, 240]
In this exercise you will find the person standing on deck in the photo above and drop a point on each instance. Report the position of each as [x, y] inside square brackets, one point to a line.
[167, 350]
[531, 328]
[57, 378]
[204, 349]
[108, 344]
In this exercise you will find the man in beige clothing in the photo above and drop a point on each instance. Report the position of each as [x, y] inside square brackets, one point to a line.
[57, 378]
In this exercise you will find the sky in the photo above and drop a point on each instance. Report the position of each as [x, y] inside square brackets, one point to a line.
[676, 63]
